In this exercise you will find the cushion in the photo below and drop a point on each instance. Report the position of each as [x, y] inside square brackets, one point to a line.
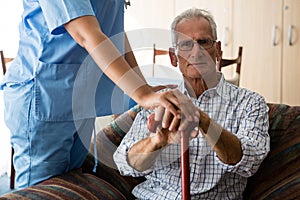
[279, 176]
[72, 185]
[124, 184]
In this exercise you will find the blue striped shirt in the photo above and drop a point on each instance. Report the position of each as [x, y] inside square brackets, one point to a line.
[238, 110]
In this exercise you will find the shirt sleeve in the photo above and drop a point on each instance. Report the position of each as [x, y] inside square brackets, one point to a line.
[59, 12]
[254, 138]
[137, 132]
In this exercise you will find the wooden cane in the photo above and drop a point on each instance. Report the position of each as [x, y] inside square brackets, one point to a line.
[185, 167]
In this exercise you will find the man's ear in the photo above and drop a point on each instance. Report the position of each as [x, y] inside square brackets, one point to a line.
[173, 57]
[219, 51]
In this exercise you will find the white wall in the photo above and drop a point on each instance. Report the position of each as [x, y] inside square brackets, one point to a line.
[149, 22]
[10, 15]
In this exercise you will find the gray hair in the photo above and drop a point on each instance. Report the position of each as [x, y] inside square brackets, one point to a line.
[190, 14]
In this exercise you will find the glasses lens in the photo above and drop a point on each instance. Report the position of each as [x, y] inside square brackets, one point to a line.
[205, 44]
[186, 45]
[189, 44]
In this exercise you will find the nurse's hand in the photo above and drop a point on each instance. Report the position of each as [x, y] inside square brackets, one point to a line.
[160, 87]
[174, 110]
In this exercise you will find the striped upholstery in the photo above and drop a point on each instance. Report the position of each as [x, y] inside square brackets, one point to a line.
[279, 175]
[122, 183]
[74, 185]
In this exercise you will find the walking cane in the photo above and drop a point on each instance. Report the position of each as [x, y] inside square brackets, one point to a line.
[185, 167]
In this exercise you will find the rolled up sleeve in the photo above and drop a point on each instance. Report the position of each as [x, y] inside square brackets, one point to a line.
[254, 138]
[137, 132]
[59, 12]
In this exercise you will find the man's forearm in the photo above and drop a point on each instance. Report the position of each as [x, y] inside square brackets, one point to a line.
[226, 145]
[143, 154]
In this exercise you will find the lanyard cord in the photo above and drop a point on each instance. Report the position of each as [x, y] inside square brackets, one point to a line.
[95, 150]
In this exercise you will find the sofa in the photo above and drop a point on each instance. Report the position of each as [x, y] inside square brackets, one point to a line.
[277, 178]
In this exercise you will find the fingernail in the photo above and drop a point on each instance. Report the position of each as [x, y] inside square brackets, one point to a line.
[180, 129]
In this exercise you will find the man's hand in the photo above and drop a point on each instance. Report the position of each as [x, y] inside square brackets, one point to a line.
[143, 154]
[163, 136]
[189, 115]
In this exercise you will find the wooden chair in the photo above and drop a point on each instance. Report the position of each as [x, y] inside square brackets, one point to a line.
[235, 79]
[157, 52]
[4, 61]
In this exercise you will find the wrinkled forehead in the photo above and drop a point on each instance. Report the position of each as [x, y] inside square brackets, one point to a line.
[194, 28]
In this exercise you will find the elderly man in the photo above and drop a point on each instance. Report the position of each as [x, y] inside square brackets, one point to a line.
[233, 138]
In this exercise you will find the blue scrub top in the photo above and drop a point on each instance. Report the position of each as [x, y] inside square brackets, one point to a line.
[67, 83]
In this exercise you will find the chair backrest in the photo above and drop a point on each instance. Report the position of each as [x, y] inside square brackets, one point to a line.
[3, 64]
[236, 61]
[4, 61]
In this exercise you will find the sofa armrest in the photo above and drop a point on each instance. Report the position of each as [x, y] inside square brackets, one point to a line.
[279, 174]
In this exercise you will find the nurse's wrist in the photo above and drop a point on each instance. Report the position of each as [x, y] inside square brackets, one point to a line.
[141, 95]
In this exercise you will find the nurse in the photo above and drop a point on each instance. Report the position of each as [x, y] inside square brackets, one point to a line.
[71, 54]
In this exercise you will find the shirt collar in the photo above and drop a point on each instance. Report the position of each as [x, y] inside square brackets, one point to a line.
[219, 89]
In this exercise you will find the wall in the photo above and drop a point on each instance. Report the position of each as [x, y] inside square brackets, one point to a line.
[146, 23]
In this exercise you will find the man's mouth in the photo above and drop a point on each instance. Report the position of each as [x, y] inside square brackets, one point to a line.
[198, 64]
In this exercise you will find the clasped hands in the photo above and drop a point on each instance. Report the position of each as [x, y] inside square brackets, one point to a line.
[167, 128]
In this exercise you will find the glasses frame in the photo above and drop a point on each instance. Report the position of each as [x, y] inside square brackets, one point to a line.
[199, 42]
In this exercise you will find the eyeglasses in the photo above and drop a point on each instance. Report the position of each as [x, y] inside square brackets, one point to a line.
[188, 45]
